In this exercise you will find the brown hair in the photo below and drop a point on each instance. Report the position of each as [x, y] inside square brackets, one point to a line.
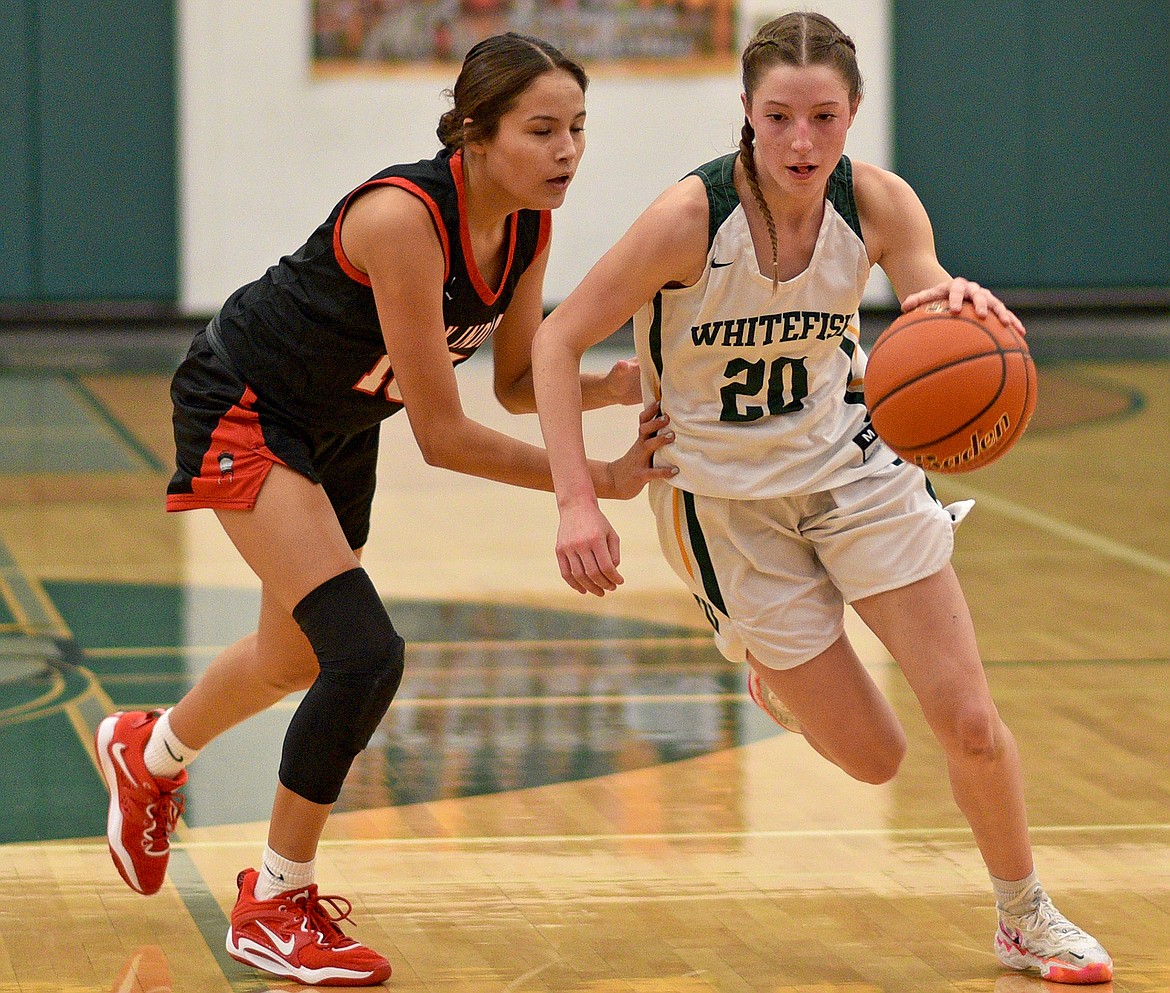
[494, 74]
[801, 38]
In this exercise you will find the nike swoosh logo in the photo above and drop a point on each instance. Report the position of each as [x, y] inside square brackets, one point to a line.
[284, 947]
[720, 265]
[167, 744]
[118, 749]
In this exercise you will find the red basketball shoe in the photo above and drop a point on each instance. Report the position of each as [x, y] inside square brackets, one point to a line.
[294, 935]
[143, 808]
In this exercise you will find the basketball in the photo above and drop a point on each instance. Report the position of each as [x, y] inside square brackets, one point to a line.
[949, 392]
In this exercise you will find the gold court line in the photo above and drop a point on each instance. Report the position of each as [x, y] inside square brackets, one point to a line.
[718, 662]
[35, 612]
[23, 624]
[83, 726]
[606, 644]
[1068, 532]
[36, 707]
[440, 703]
[120, 437]
[82, 847]
[565, 700]
[575, 669]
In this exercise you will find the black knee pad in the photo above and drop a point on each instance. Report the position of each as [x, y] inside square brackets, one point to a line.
[361, 658]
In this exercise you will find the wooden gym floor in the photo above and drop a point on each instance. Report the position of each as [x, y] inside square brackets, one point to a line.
[576, 795]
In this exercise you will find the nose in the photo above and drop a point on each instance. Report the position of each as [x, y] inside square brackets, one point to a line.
[801, 138]
[566, 148]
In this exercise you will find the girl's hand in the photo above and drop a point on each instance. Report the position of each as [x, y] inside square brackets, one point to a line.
[623, 382]
[588, 551]
[629, 474]
[956, 291]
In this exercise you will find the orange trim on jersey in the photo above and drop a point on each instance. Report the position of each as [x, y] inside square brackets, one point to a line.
[352, 271]
[545, 232]
[675, 498]
[486, 294]
[235, 464]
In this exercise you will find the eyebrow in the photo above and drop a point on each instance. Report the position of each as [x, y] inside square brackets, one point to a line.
[551, 117]
[823, 103]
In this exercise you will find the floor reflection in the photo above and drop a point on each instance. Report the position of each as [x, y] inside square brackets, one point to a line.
[510, 698]
[145, 971]
[463, 727]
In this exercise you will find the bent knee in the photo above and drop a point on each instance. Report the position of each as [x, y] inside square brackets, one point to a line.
[880, 767]
[974, 734]
[875, 763]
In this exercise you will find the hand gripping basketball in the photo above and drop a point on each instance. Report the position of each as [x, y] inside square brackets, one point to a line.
[950, 392]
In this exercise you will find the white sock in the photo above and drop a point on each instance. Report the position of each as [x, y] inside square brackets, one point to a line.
[1009, 891]
[166, 756]
[278, 875]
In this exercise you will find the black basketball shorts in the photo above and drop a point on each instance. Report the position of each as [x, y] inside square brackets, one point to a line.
[227, 439]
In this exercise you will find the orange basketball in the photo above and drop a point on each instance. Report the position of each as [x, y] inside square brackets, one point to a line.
[949, 392]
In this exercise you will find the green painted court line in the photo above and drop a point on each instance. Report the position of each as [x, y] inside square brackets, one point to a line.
[211, 921]
[90, 400]
[53, 424]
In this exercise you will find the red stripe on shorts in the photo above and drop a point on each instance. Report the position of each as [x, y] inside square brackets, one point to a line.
[234, 466]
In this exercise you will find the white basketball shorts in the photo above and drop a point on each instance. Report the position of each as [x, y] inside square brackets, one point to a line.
[773, 576]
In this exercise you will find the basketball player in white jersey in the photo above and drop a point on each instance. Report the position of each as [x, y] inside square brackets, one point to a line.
[744, 282]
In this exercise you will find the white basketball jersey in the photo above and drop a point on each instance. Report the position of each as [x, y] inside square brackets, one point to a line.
[763, 385]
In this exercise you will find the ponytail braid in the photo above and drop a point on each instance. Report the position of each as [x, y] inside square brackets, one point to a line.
[747, 137]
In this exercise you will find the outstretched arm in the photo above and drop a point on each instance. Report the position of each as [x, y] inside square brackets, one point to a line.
[407, 289]
[666, 244]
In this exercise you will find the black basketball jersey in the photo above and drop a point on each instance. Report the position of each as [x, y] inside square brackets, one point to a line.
[305, 336]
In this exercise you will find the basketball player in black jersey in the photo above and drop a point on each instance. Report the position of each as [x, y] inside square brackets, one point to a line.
[277, 408]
